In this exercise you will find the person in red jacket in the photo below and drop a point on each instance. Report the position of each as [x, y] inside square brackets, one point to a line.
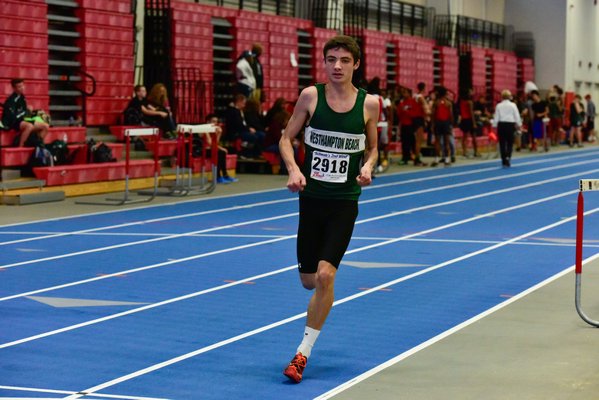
[443, 125]
[407, 111]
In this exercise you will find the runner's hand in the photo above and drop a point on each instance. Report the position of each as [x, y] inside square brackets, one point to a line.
[296, 182]
[365, 177]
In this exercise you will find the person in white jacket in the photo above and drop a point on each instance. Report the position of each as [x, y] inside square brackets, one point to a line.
[246, 81]
[507, 120]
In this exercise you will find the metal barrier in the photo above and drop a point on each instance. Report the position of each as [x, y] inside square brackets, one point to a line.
[184, 183]
[136, 132]
[585, 185]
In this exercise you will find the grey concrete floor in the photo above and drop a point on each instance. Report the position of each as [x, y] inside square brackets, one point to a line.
[534, 348]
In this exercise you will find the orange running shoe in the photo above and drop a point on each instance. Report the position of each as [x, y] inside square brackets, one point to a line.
[295, 369]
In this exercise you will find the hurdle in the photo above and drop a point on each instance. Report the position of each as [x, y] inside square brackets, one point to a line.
[184, 183]
[585, 185]
[136, 132]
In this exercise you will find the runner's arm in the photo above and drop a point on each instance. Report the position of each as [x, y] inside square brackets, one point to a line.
[297, 180]
[371, 153]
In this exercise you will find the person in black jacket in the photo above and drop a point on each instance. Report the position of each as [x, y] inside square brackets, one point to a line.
[238, 128]
[15, 110]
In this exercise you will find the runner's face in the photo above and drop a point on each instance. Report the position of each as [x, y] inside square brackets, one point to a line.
[339, 65]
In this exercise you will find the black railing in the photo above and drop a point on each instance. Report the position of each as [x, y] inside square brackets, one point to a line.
[463, 32]
[192, 96]
[157, 45]
[86, 86]
[383, 15]
[277, 7]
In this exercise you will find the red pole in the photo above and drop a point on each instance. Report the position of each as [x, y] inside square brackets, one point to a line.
[180, 149]
[579, 229]
[156, 138]
[127, 151]
[214, 154]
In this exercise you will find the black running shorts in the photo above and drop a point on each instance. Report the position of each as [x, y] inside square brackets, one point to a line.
[324, 232]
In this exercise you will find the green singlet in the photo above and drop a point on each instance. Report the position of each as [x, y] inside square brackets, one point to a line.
[335, 144]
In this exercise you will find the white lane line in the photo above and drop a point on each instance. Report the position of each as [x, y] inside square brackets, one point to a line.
[475, 171]
[449, 332]
[245, 335]
[254, 278]
[125, 210]
[150, 221]
[229, 235]
[121, 245]
[393, 214]
[127, 244]
[148, 267]
[478, 181]
[54, 391]
[259, 204]
[566, 243]
[535, 161]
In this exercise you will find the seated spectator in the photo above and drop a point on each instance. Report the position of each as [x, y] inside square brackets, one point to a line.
[221, 165]
[237, 128]
[276, 121]
[253, 115]
[16, 114]
[158, 101]
[139, 111]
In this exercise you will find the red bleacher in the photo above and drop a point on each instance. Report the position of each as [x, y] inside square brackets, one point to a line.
[448, 68]
[84, 173]
[23, 49]
[106, 44]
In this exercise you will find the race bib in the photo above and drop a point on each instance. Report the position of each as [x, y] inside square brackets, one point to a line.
[329, 167]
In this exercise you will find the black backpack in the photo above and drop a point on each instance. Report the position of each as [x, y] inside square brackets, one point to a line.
[133, 116]
[99, 152]
[59, 151]
[41, 157]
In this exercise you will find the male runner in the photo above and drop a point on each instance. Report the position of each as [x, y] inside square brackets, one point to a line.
[341, 150]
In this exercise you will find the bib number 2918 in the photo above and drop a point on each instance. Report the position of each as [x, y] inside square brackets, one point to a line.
[329, 167]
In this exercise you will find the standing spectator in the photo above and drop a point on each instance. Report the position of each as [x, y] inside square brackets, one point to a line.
[258, 93]
[591, 112]
[507, 121]
[374, 89]
[556, 118]
[158, 101]
[15, 110]
[405, 112]
[576, 121]
[482, 115]
[466, 121]
[246, 81]
[421, 114]
[540, 112]
[443, 126]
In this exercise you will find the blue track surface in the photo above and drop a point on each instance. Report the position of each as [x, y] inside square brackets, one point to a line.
[219, 310]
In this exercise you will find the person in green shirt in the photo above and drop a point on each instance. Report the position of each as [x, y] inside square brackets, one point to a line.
[340, 138]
